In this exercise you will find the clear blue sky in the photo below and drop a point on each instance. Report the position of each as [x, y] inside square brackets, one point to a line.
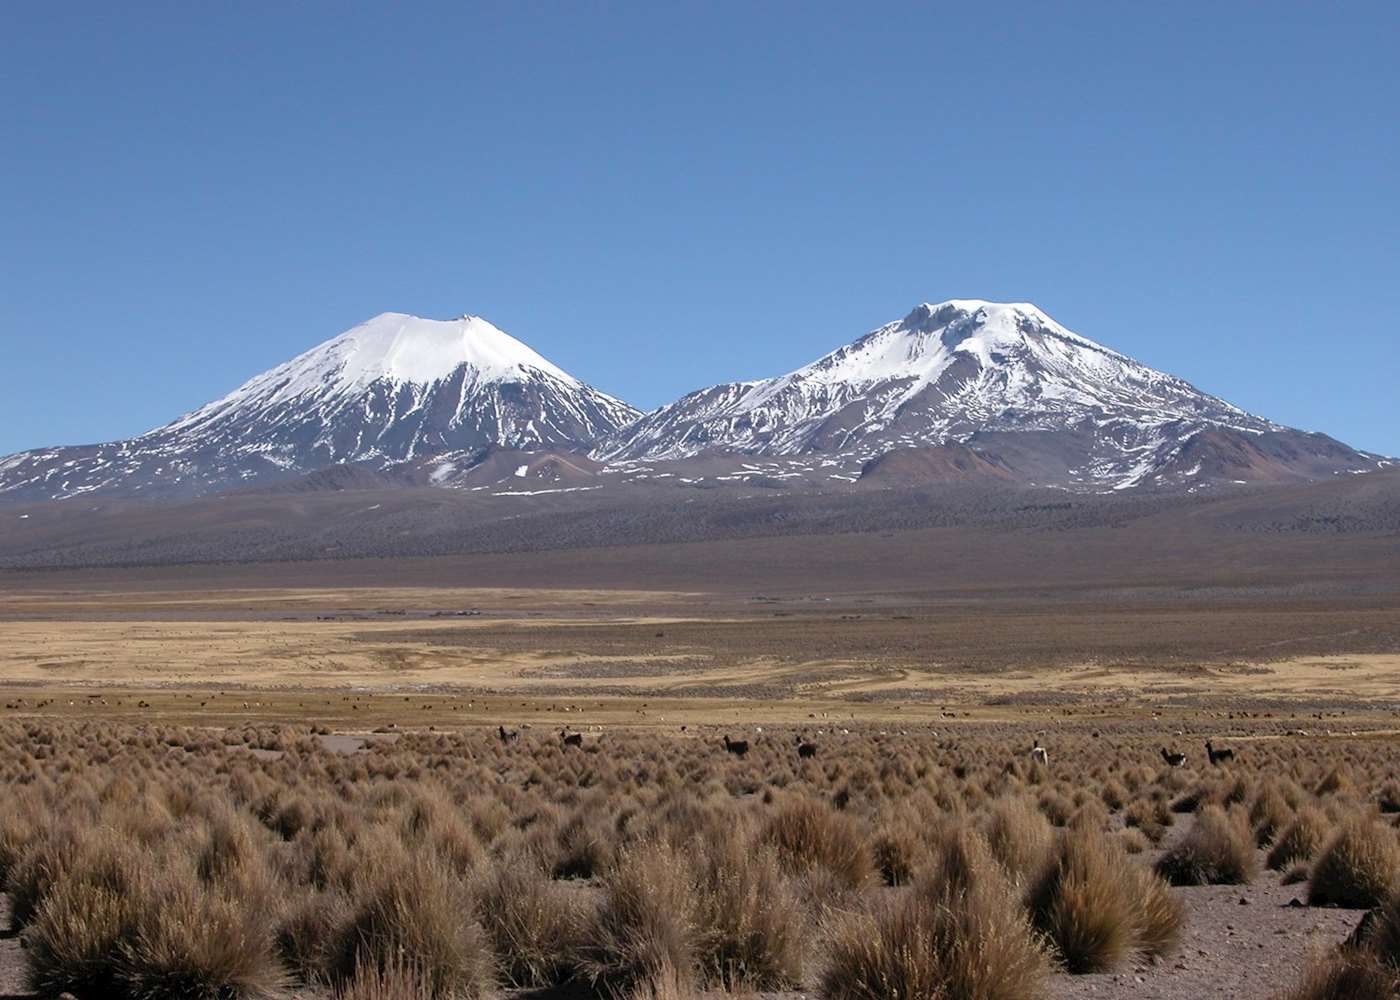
[659, 196]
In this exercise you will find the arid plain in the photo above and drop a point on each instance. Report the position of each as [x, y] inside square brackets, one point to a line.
[920, 665]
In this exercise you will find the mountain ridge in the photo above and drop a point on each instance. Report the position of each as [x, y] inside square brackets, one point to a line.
[965, 387]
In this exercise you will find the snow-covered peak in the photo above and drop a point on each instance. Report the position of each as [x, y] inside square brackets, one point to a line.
[393, 349]
[931, 337]
[403, 348]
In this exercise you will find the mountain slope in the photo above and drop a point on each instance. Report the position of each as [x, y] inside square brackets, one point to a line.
[1005, 379]
[394, 389]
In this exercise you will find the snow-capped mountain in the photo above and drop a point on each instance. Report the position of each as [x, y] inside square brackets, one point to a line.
[963, 390]
[1003, 379]
[394, 389]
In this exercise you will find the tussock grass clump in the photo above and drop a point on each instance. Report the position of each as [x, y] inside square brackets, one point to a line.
[663, 984]
[899, 851]
[309, 932]
[534, 924]
[938, 940]
[1269, 814]
[1336, 781]
[1114, 794]
[398, 981]
[1300, 839]
[1019, 837]
[34, 872]
[73, 942]
[1151, 816]
[1057, 808]
[1359, 867]
[190, 944]
[751, 925]
[585, 846]
[647, 925]
[1193, 800]
[16, 832]
[1378, 933]
[418, 911]
[807, 833]
[1346, 976]
[1161, 917]
[1097, 906]
[1134, 841]
[1217, 850]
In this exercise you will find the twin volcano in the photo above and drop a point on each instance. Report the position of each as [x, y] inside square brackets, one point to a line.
[959, 389]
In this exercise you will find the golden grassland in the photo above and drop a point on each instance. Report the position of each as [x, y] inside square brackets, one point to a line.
[304, 791]
[651, 657]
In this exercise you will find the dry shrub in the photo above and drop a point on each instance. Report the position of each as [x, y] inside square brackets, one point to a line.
[533, 923]
[663, 984]
[417, 911]
[399, 980]
[73, 943]
[1019, 836]
[1346, 976]
[226, 849]
[1097, 906]
[193, 944]
[1237, 791]
[1134, 841]
[750, 922]
[431, 821]
[899, 850]
[1269, 814]
[584, 846]
[1057, 808]
[1300, 839]
[1114, 794]
[16, 832]
[1382, 937]
[1151, 816]
[1090, 816]
[1367, 964]
[646, 925]
[1359, 867]
[1336, 781]
[807, 833]
[1217, 850]
[310, 930]
[1161, 916]
[36, 871]
[938, 940]
[1193, 800]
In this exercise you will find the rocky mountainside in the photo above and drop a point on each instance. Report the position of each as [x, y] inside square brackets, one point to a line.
[392, 390]
[1029, 397]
